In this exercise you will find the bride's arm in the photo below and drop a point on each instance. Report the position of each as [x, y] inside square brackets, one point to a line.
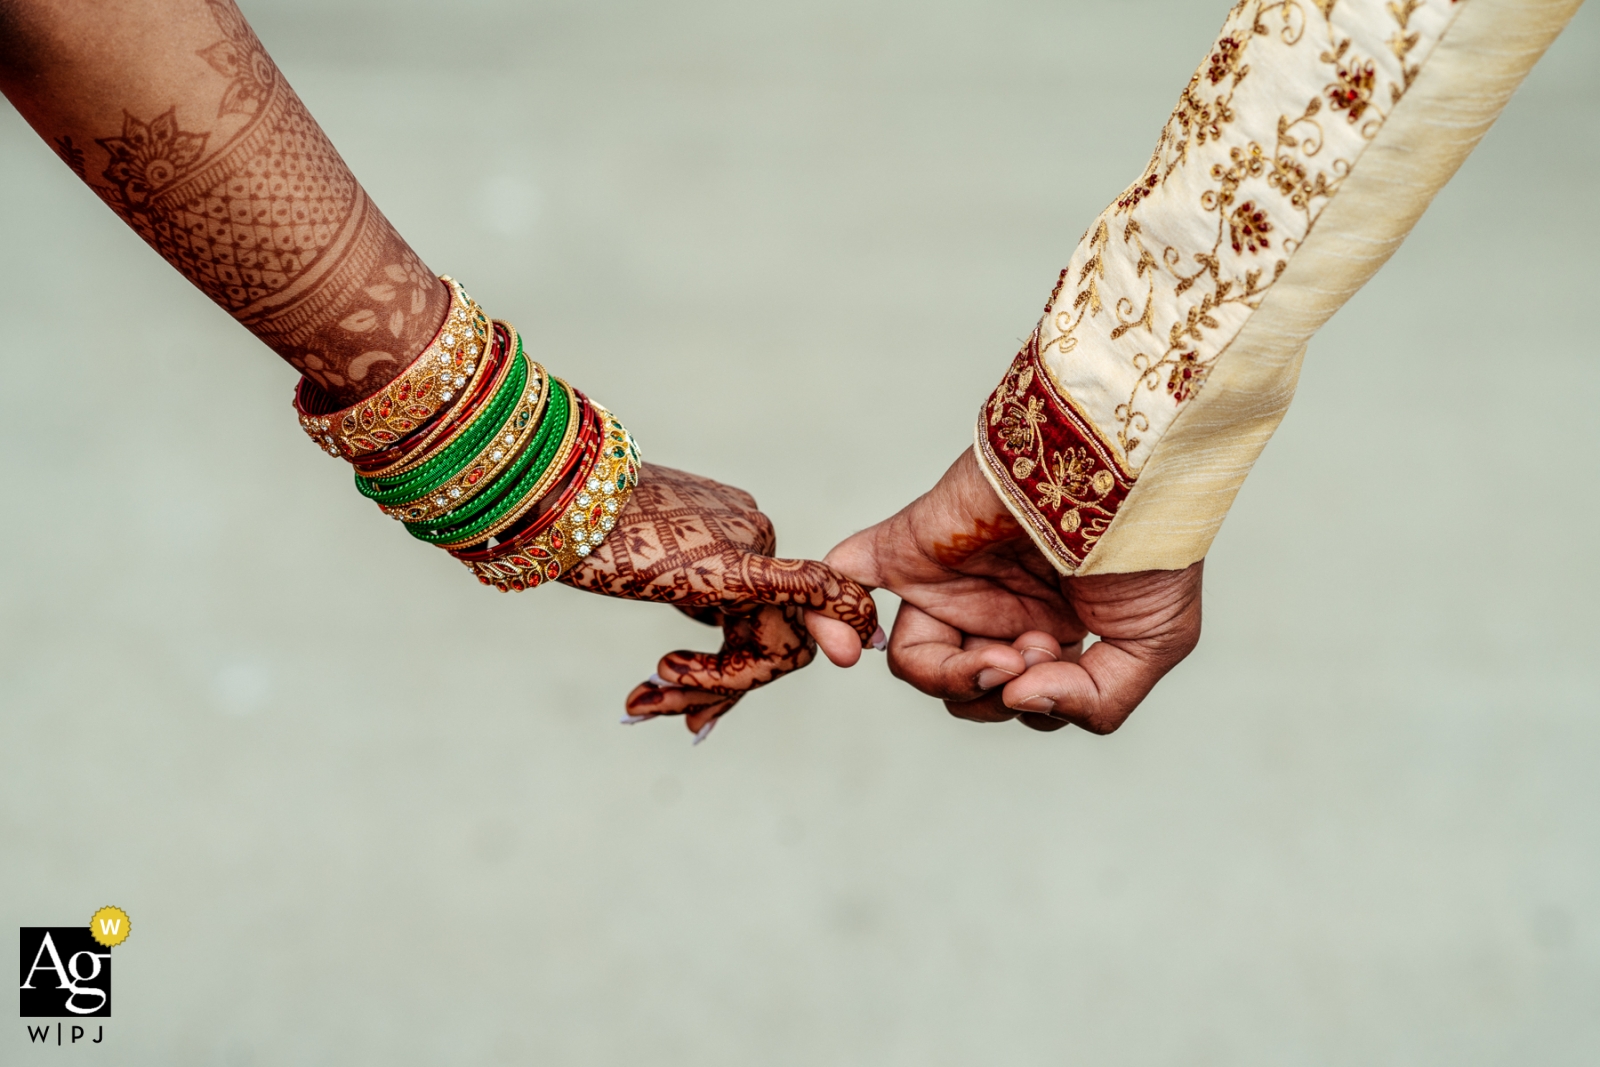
[176, 116]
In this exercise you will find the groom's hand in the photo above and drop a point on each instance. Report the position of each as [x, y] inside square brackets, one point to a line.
[991, 628]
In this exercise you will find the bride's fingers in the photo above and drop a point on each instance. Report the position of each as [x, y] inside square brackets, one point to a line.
[710, 616]
[653, 698]
[808, 584]
[757, 649]
[702, 722]
[929, 655]
[699, 709]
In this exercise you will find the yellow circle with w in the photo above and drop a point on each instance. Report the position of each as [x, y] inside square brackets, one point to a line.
[109, 926]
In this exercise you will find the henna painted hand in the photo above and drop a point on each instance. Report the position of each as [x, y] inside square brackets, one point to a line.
[989, 626]
[706, 549]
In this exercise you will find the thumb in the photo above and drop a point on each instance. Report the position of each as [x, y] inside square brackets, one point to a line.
[856, 557]
[1147, 622]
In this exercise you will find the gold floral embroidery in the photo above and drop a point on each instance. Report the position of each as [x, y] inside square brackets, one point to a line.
[1352, 92]
[1225, 59]
[1402, 43]
[1053, 459]
[1249, 228]
[1188, 374]
[1139, 318]
[1264, 201]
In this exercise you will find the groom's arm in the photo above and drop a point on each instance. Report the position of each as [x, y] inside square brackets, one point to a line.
[1310, 140]
[1307, 144]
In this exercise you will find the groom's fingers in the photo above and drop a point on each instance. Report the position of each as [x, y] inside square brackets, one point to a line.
[1038, 647]
[1100, 690]
[987, 708]
[1147, 621]
[857, 557]
[930, 656]
[837, 640]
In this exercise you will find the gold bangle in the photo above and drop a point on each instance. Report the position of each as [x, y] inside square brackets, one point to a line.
[441, 373]
[450, 427]
[607, 489]
[578, 532]
[497, 453]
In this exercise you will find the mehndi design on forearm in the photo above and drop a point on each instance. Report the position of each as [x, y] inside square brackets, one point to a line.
[244, 195]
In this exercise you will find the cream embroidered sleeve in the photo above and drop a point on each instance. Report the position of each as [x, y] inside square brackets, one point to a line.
[1304, 149]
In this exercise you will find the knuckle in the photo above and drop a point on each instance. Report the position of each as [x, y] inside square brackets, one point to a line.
[1044, 724]
[962, 711]
[1102, 724]
[766, 534]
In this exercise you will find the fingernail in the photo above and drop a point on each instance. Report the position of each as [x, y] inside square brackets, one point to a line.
[1034, 655]
[1035, 703]
[662, 683]
[880, 640]
[705, 732]
[634, 720]
[993, 677]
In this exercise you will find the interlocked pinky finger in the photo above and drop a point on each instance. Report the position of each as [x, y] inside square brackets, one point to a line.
[808, 584]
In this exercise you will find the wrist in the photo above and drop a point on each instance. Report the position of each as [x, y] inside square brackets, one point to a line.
[971, 490]
[375, 338]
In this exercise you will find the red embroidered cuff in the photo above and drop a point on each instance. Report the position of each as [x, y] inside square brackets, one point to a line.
[1051, 468]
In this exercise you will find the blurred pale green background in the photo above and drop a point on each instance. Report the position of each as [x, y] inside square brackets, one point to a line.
[363, 811]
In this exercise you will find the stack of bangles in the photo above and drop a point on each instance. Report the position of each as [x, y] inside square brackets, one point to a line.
[478, 450]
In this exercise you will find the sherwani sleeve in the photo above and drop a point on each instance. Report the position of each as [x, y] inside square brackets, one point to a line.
[1303, 150]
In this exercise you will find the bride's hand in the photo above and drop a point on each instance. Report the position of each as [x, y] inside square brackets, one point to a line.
[706, 549]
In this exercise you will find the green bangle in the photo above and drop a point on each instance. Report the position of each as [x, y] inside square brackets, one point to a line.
[511, 487]
[447, 464]
[489, 496]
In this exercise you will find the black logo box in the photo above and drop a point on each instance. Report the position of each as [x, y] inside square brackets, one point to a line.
[66, 974]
